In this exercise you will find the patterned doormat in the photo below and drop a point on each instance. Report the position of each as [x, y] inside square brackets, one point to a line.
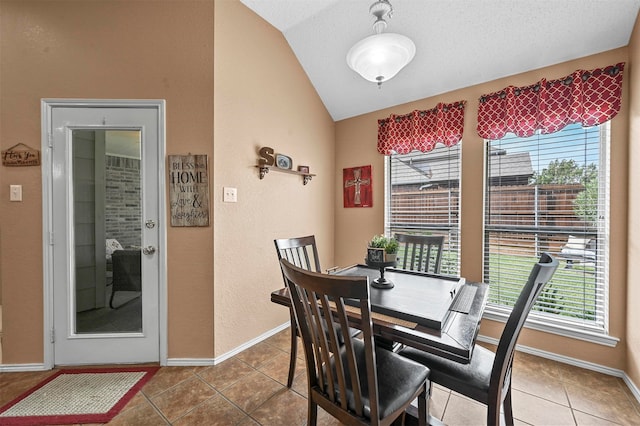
[73, 396]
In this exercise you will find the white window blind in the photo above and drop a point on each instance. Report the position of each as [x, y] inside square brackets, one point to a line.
[422, 198]
[549, 193]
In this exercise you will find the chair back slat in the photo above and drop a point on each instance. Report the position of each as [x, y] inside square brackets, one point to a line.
[335, 310]
[321, 344]
[301, 251]
[540, 275]
[319, 307]
[420, 252]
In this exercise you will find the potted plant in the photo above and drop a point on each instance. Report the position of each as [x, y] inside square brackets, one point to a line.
[391, 250]
[382, 249]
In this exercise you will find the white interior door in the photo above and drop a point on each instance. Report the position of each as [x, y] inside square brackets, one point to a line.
[105, 231]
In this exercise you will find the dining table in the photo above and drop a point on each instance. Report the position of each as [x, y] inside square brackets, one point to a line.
[436, 313]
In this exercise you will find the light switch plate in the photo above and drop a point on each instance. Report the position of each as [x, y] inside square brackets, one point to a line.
[15, 193]
[230, 195]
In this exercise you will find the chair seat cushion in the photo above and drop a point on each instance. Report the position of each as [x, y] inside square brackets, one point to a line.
[398, 380]
[471, 380]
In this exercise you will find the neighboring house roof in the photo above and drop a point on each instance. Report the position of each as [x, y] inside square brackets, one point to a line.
[510, 165]
[442, 165]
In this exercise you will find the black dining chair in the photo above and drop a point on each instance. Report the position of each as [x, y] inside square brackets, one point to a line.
[487, 378]
[301, 252]
[420, 252]
[349, 377]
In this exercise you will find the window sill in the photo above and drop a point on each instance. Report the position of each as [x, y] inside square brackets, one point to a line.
[539, 324]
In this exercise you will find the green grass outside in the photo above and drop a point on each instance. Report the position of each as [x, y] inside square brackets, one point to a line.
[571, 292]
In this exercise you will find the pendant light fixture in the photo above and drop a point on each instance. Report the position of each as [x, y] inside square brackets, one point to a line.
[381, 56]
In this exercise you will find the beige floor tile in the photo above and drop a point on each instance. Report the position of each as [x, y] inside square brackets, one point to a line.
[438, 402]
[248, 421]
[259, 354]
[584, 377]
[183, 397]
[215, 411]
[252, 391]
[284, 408]
[537, 411]
[278, 368]
[166, 378]
[281, 340]
[461, 411]
[326, 419]
[138, 399]
[226, 373]
[538, 376]
[141, 415]
[630, 395]
[300, 381]
[12, 385]
[584, 419]
[608, 402]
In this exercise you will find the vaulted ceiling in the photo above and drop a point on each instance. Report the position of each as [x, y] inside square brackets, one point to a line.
[459, 43]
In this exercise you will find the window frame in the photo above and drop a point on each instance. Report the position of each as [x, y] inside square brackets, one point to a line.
[447, 229]
[554, 323]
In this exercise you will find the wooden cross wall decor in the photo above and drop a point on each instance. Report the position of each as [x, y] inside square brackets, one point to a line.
[358, 190]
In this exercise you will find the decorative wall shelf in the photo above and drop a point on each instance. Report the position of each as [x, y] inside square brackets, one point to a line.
[306, 177]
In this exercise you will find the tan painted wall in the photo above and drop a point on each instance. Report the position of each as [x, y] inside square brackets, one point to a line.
[263, 98]
[356, 145]
[103, 49]
[633, 245]
[165, 50]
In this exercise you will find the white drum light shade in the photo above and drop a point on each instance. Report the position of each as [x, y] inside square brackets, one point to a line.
[380, 57]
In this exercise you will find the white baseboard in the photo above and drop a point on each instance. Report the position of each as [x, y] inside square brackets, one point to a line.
[573, 361]
[171, 362]
[15, 368]
[190, 362]
[183, 362]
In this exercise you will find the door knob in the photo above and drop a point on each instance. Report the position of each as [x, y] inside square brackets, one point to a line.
[149, 250]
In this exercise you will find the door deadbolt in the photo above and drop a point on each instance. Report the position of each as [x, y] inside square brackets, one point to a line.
[150, 224]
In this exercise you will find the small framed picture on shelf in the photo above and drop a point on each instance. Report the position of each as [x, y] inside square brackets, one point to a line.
[303, 169]
[283, 161]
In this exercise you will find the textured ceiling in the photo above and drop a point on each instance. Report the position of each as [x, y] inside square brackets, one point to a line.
[459, 43]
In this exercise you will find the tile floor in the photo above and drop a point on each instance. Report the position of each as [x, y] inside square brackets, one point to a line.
[249, 389]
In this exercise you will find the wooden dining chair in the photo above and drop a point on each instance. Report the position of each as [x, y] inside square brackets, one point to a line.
[487, 378]
[353, 381]
[301, 252]
[420, 252]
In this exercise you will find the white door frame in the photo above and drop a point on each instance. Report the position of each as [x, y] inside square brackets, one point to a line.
[47, 223]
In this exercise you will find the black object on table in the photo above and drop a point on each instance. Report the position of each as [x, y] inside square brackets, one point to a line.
[381, 282]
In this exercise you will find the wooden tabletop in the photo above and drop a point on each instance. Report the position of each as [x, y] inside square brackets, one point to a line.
[415, 312]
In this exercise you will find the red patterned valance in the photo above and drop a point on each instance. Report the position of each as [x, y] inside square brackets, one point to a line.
[421, 130]
[586, 97]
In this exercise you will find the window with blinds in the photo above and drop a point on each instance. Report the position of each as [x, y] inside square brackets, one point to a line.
[422, 198]
[549, 193]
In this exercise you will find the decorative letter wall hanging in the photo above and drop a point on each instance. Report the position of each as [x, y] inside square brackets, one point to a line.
[357, 186]
[189, 190]
[421, 130]
[586, 97]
